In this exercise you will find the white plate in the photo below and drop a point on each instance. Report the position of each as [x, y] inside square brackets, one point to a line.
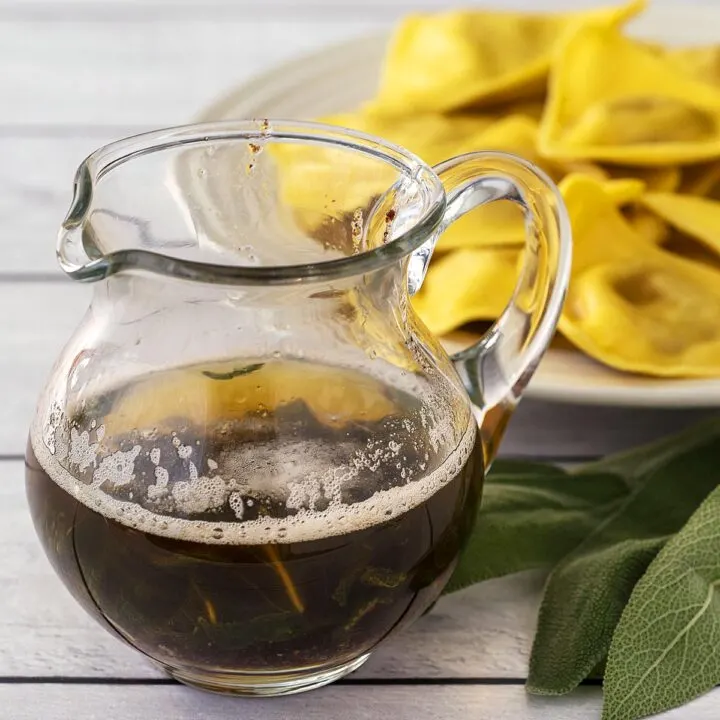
[339, 78]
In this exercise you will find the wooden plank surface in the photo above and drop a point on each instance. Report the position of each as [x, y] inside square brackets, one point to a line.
[443, 702]
[144, 8]
[145, 73]
[36, 182]
[139, 66]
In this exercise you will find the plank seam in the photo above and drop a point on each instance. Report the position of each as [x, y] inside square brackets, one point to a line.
[33, 277]
[60, 680]
[119, 12]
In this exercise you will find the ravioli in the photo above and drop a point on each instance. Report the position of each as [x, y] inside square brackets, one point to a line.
[611, 99]
[655, 315]
[702, 62]
[600, 233]
[701, 179]
[466, 285]
[697, 217]
[445, 61]
[629, 129]
[502, 223]
[656, 179]
[632, 305]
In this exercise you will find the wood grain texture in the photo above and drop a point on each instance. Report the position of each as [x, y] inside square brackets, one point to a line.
[32, 338]
[159, 72]
[36, 183]
[479, 702]
[91, 63]
[128, 8]
[161, 66]
[36, 320]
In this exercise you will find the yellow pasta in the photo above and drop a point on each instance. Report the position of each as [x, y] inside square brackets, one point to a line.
[501, 223]
[701, 179]
[656, 314]
[600, 232]
[433, 137]
[666, 178]
[694, 216]
[441, 62]
[701, 62]
[629, 129]
[645, 223]
[631, 305]
[466, 285]
[320, 182]
[611, 99]
[624, 190]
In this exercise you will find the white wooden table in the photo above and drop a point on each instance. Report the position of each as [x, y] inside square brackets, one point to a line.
[73, 75]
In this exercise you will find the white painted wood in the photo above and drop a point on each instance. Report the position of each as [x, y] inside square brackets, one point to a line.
[159, 72]
[36, 182]
[445, 702]
[160, 64]
[307, 7]
[37, 319]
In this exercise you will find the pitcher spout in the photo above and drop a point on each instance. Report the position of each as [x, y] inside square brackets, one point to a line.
[77, 255]
[245, 203]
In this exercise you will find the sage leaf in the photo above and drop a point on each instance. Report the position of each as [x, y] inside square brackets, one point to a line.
[666, 648]
[237, 372]
[634, 465]
[587, 591]
[533, 519]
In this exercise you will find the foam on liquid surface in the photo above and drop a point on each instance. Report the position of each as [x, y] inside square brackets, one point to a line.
[310, 475]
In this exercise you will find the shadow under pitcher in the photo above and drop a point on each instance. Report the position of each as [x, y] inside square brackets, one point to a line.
[252, 462]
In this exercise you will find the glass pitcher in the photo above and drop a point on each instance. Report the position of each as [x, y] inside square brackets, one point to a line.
[252, 462]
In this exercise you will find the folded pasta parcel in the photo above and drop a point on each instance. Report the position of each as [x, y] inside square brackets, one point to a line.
[315, 178]
[440, 62]
[467, 285]
[632, 305]
[702, 62]
[701, 179]
[656, 179]
[432, 136]
[501, 223]
[695, 217]
[613, 99]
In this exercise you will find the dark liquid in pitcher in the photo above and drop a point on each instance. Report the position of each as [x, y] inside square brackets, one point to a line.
[244, 529]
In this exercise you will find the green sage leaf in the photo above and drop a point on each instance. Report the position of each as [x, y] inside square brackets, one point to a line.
[532, 520]
[587, 591]
[237, 372]
[634, 465]
[666, 648]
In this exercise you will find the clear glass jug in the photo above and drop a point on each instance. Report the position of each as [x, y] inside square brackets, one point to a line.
[252, 462]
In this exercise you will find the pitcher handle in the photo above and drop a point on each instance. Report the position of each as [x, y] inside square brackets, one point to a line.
[497, 369]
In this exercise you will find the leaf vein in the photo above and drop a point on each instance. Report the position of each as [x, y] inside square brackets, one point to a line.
[678, 637]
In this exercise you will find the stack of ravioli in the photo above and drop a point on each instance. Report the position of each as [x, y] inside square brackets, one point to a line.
[629, 130]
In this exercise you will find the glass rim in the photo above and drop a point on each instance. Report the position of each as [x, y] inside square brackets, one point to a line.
[97, 264]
